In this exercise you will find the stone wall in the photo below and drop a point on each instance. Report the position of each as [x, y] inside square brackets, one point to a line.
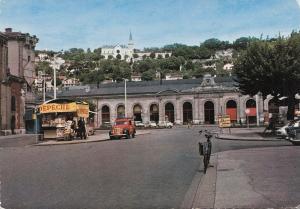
[196, 100]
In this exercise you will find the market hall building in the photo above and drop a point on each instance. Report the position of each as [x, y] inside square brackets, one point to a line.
[179, 101]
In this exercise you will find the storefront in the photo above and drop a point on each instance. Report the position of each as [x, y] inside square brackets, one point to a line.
[56, 114]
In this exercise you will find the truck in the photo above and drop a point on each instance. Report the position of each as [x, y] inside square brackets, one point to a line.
[122, 127]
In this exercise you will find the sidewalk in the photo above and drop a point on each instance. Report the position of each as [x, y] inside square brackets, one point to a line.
[94, 138]
[21, 140]
[251, 178]
[246, 134]
[18, 140]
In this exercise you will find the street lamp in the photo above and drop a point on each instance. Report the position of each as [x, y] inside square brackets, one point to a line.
[54, 82]
[125, 98]
[44, 87]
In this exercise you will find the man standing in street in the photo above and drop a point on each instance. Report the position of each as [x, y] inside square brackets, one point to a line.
[81, 128]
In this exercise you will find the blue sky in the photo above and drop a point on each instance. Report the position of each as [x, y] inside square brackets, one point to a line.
[63, 24]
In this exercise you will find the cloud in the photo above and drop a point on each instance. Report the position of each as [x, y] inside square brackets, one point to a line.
[298, 2]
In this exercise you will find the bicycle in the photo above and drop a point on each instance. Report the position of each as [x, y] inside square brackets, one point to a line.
[205, 149]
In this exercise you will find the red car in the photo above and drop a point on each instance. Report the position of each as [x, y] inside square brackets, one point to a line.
[123, 127]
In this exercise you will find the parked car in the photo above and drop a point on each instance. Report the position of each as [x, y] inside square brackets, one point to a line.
[293, 132]
[152, 124]
[281, 132]
[139, 124]
[165, 124]
[123, 127]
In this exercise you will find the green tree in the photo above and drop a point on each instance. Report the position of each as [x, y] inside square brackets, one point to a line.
[159, 56]
[148, 75]
[44, 67]
[119, 56]
[189, 65]
[271, 68]
[152, 55]
[58, 82]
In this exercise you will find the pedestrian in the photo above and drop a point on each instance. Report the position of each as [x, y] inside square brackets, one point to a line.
[81, 128]
[271, 125]
[80, 124]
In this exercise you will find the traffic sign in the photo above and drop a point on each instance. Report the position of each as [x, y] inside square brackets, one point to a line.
[224, 121]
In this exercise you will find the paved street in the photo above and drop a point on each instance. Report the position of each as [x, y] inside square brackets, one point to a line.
[155, 170]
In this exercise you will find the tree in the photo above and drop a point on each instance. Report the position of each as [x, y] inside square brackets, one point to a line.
[212, 43]
[148, 75]
[189, 65]
[119, 56]
[135, 56]
[58, 82]
[44, 67]
[152, 55]
[271, 68]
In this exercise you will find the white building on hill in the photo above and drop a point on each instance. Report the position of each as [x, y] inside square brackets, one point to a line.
[122, 52]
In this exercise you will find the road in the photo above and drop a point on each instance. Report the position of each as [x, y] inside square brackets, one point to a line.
[150, 171]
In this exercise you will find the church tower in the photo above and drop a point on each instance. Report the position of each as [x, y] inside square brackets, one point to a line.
[130, 43]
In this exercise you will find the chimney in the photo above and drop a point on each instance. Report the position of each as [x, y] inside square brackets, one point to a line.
[8, 30]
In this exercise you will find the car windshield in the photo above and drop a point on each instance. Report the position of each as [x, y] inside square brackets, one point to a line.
[121, 123]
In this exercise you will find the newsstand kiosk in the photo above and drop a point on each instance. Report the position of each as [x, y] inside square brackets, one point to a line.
[58, 114]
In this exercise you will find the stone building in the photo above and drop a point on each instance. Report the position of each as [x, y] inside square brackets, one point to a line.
[17, 76]
[121, 52]
[128, 52]
[178, 101]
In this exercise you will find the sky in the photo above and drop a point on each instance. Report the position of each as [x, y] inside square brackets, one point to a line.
[65, 24]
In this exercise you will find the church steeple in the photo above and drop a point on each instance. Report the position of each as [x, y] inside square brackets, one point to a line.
[130, 37]
[130, 43]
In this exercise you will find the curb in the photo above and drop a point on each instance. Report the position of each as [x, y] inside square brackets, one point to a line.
[246, 139]
[78, 141]
[206, 190]
[69, 142]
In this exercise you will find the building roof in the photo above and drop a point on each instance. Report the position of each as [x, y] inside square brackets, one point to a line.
[114, 46]
[12, 35]
[151, 87]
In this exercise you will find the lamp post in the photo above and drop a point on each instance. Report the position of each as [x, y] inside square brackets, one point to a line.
[44, 87]
[54, 82]
[125, 98]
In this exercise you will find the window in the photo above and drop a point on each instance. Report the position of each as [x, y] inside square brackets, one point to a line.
[13, 103]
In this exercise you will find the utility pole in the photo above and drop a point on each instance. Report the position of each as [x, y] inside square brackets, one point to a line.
[44, 87]
[125, 98]
[54, 82]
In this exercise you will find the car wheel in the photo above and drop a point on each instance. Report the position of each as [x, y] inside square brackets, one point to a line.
[127, 134]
